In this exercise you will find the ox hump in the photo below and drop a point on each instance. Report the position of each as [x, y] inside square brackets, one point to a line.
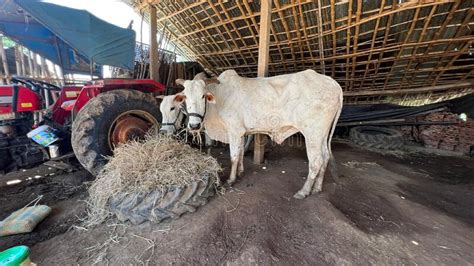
[227, 74]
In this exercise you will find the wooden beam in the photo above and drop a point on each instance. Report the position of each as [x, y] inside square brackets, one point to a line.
[154, 75]
[262, 70]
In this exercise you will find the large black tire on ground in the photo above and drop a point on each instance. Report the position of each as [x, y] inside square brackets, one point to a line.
[90, 129]
[376, 137]
[156, 206]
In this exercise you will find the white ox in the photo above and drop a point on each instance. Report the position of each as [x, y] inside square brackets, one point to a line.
[172, 115]
[279, 106]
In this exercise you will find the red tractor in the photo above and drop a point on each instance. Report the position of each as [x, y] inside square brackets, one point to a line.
[86, 121]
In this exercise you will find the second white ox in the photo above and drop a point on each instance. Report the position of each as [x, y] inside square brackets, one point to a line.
[279, 106]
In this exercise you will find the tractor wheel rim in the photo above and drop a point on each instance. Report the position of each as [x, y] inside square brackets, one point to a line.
[130, 125]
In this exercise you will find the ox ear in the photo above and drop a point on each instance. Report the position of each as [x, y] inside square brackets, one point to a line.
[179, 98]
[210, 97]
[180, 82]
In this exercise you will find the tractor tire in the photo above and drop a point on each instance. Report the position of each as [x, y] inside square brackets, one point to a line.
[376, 137]
[5, 160]
[156, 206]
[91, 129]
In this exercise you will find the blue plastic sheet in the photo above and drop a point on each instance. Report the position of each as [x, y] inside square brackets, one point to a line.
[68, 37]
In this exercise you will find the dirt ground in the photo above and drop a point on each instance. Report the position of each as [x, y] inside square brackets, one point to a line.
[404, 208]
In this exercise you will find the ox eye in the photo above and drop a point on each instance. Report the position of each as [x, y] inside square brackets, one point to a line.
[172, 108]
[203, 96]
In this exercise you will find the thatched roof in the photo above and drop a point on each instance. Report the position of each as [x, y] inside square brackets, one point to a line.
[369, 47]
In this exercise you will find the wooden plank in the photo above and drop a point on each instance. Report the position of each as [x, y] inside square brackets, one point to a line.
[154, 74]
[262, 70]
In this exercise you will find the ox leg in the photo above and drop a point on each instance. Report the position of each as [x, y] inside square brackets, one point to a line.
[315, 160]
[236, 147]
[208, 142]
[320, 177]
[240, 168]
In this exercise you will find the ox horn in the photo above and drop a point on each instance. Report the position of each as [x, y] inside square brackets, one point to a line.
[211, 81]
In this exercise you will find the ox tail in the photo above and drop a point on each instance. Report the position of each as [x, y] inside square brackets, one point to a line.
[332, 162]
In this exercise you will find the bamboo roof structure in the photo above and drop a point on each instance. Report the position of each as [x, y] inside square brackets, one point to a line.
[412, 51]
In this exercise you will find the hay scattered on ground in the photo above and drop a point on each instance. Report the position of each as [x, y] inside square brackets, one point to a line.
[158, 162]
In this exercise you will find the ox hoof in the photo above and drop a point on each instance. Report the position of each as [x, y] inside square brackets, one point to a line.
[300, 195]
[230, 182]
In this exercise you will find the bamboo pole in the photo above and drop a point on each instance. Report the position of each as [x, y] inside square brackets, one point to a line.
[154, 75]
[320, 39]
[263, 60]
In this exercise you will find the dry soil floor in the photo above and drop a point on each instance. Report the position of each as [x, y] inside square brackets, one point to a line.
[405, 208]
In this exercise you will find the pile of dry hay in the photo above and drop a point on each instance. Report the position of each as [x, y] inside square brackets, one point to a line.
[157, 162]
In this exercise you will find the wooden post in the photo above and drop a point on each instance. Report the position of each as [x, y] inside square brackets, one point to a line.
[4, 60]
[153, 44]
[263, 59]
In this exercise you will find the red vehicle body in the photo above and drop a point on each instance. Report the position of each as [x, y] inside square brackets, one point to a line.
[28, 100]
[82, 95]
[100, 86]
[22, 102]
